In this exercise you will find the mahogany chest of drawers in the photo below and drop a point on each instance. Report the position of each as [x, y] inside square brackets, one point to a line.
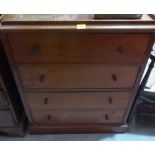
[80, 75]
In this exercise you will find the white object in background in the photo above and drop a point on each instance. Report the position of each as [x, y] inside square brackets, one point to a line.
[154, 46]
[151, 81]
[153, 52]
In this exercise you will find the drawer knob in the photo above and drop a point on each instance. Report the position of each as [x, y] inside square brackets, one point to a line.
[41, 78]
[114, 77]
[106, 117]
[35, 49]
[49, 117]
[120, 50]
[110, 100]
[46, 101]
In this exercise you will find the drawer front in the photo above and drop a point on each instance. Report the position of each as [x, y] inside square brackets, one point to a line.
[3, 101]
[78, 47]
[77, 76]
[6, 118]
[78, 117]
[77, 100]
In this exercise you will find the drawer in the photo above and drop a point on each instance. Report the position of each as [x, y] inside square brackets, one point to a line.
[6, 118]
[78, 117]
[3, 102]
[77, 100]
[78, 47]
[77, 76]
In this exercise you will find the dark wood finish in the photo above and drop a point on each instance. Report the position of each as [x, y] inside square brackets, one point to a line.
[68, 129]
[68, 19]
[117, 16]
[52, 59]
[74, 100]
[64, 23]
[78, 47]
[58, 117]
[77, 100]
[77, 76]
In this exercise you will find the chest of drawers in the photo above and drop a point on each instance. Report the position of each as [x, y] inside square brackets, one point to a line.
[77, 80]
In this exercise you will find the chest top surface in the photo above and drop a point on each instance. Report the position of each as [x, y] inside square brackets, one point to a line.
[85, 22]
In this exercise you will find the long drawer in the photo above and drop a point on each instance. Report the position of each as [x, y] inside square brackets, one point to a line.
[78, 47]
[77, 100]
[68, 76]
[78, 117]
[6, 118]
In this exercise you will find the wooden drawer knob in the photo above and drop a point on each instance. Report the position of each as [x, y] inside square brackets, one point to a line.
[120, 50]
[114, 77]
[110, 100]
[41, 77]
[35, 49]
[49, 117]
[106, 117]
[46, 101]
